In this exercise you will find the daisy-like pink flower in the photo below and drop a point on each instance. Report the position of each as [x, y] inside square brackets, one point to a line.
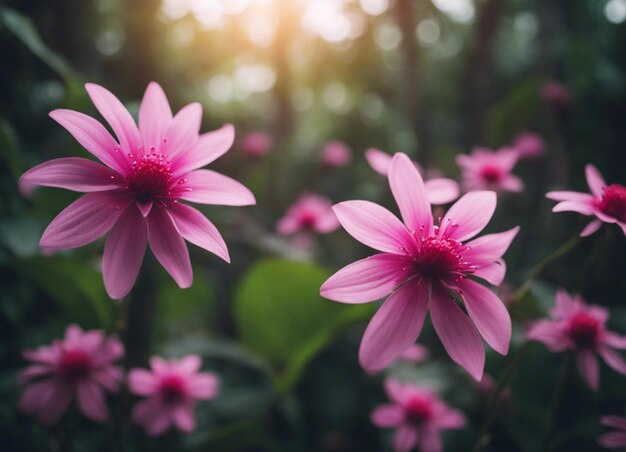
[336, 154]
[425, 266]
[172, 389]
[81, 366]
[606, 202]
[575, 325]
[484, 169]
[439, 190]
[613, 440]
[310, 213]
[136, 196]
[418, 416]
[529, 145]
[256, 144]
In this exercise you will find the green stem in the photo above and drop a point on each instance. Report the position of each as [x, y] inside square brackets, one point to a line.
[555, 403]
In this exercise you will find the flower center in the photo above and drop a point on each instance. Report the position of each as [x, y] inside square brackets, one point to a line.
[418, 410]
[490, 173]
[613, 202]
[75, 364]
[173, 388]
[442, 259]
[583, 330]
[308, 220]
[150, 177]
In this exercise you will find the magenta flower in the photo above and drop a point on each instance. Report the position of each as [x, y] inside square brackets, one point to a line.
[484, 169]
[424, 266]
[256, 144]
[336, 154]
[80, 365]
[310, 213]
[171, 390]
[606, 202]
[417, 415]
[135, 197]
[574, 325]
[529, 145]
[439, 190]
[613, 440]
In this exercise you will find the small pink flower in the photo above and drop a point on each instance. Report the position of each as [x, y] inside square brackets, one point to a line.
[425, 266]
[256, 144]
[439, 190]
[310, 213]
[606, 202]
[171, 390]
[484, 169]
[336, 154]
[556, 95]
[529, 145]
[415, 353]
[613, 440]
[574, 325]
[80, 365]
[136, 196]
[418, 416]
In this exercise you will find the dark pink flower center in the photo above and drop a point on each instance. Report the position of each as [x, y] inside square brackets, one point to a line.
[150, 177]
[75, 364]
[308, 220]
[491, 173]
[442, 259]
[418, 410]
[173, 388]
[583, 329]
[613, 202]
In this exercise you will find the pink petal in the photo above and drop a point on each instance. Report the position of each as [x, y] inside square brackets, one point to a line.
[37, 395]
[183, 418]
[56, 406]
[183, 131]
[512, 183]
[123, 253]
[144, 207]
[591, 228]
[573, 206]
[34, 371]
[203, 386]
[117, 116]
[564, 305]
[441, 190]
[408, 190]
[142, 382]
[189, 364]
[159, 365]
[365, 280]
[415, 353]
[378, 160]
[549, 333]
[85, 220]
[91, 402]
[404, 439]
[374, 226]
[488, 314]
[588, 367]
[110, 377]
[493, 273]
[602, 216]
[430, 440]
[457, 333]
[595, 180]
[613, 359]
[169, 247]
[153, 415]
[450, 419]
[397, 391]
[209, 187]
[197, 229]
[94, 137]
[386, 416]
[209, 147]
[617, 422]
[161, 422]
[395, 326]
[155, 117]
[614, 340]
[489, 248]
[583, 198]
[612, 440]
[468, 216]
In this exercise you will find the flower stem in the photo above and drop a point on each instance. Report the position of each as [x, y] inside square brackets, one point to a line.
[555, 402]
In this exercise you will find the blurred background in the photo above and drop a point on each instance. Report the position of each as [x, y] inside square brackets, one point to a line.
[432, 78]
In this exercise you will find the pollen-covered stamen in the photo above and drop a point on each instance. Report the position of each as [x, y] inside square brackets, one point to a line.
[150, 177]
[75, 364]
[491, 174]
[173, 388]
[418, 410]
[613, 202]
[441, 258]
[583, 330]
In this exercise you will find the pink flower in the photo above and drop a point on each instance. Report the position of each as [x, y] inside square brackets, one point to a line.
[613, 440]
[425, 266]
[529, 145]
[417, 415]
[574, 325]
[82, 365]
[484, 169]
[556, 95]
[439, 190]
[415, 353]
[336, 154]
[256, 144]
[171, 388]
[310, 213]
[135, 197]
[606, 202]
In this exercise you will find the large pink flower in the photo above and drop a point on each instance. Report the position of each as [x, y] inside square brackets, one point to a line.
[310, 213]
[580, 327]
[606, 202]
[484, 169]
[418, 416]
[439, 190]
[613, 440]
[80, 365]
[171, 388]
[135, 197]
[424, 265]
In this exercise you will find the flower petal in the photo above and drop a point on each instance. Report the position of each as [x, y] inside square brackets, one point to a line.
[573, 206]
[404, 439]
[378, 160]
[612, 440]
[549, 333]
[589, 368]
[209, 187]
[85, 220]
[155, 117]
[183, 130]
[142, 382]
[408, 190]
[183, 418]
[595, 180]
[394, 327]
[492, 273]
[387, 416]
[91, 402]
[441, 190]
[188, 365]
[468, 216]
[365, 280]
[575, 196]
[591, 228]
[203, 386]
[123, 253]
[617, 422]
[613, 359]
[489, 248]
[209, 147]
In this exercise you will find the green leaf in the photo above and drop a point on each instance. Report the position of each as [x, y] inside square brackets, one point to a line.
[8, 149]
